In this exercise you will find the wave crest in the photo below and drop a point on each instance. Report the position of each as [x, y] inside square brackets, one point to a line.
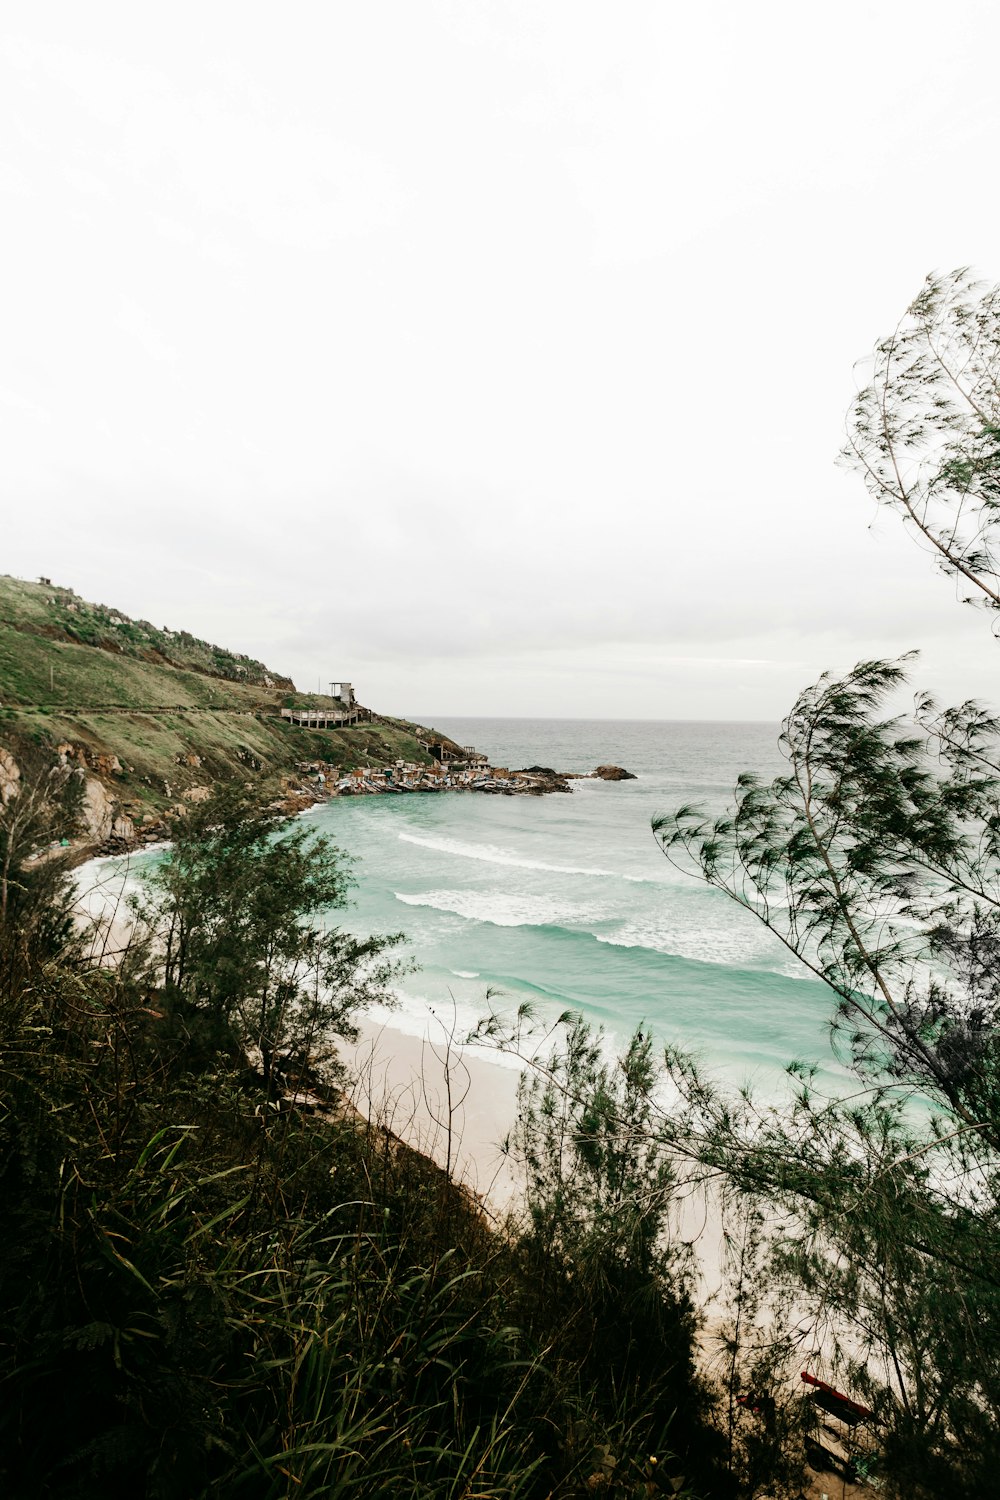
[493, 854]
[501, 908]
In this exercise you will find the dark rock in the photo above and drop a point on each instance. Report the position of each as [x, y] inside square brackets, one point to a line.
[544, 780]
[613, 773]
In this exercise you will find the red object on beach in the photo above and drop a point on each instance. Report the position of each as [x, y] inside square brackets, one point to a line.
[836, 1402]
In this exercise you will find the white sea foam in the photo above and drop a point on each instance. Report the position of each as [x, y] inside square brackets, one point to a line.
[465, 973]
[728, 946]
[441, 1023]
[501, 908]
[492, 854]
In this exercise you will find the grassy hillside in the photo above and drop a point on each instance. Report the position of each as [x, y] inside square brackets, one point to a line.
[58, 613]
[156, 713]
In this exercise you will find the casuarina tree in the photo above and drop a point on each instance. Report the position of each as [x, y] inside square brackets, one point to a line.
[875, 859]
[240, 910]
[925, 429]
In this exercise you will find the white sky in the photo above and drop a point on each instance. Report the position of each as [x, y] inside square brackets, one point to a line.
[493, 356]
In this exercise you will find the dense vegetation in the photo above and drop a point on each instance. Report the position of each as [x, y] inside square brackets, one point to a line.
[216, 1279]
[54, 613]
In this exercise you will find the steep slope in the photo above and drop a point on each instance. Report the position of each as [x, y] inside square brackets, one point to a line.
[154, 716]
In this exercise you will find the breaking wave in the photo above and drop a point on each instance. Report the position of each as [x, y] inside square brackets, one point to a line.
[729, 946]
[492, 854]
[500, 908]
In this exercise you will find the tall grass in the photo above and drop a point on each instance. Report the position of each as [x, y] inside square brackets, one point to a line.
[219, 1296]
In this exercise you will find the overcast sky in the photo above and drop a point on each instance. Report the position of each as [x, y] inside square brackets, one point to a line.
[493, 356]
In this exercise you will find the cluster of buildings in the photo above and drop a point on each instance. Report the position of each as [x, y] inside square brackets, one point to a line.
[454, 775]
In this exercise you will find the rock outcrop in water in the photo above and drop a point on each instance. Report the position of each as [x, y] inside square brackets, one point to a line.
[613, 773]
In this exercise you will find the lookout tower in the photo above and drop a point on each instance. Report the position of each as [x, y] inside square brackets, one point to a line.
[344, 692]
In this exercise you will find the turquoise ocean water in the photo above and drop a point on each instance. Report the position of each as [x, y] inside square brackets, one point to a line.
[567, 900]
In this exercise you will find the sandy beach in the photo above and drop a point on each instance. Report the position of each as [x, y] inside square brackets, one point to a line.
[457, 1105]
[449, 1102]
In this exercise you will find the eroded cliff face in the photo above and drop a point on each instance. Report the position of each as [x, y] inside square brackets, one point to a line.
[102, 815]
[10, 776]
[100, 819]
[103, 820]
[107, 821]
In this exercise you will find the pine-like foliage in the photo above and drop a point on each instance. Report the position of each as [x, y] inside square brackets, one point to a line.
[875, 860]
[925, 430]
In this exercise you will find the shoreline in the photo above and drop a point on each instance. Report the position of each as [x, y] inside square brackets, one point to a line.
[456, 1104]
[453, 1103]
[537, 781]
[446, 1101]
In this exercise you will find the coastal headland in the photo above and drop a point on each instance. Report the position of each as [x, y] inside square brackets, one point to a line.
[150, 719]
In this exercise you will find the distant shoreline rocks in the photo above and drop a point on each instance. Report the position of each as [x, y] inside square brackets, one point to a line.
[317, 781]
[532, 781]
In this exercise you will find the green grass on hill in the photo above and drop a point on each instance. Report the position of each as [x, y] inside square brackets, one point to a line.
[58, 612]
[38, 671]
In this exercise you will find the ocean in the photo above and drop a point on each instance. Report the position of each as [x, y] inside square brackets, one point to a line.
[567, 901]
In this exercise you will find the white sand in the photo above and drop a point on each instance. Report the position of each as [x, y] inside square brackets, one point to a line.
[102, 910]
[449, 1102]
[404, 1082]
